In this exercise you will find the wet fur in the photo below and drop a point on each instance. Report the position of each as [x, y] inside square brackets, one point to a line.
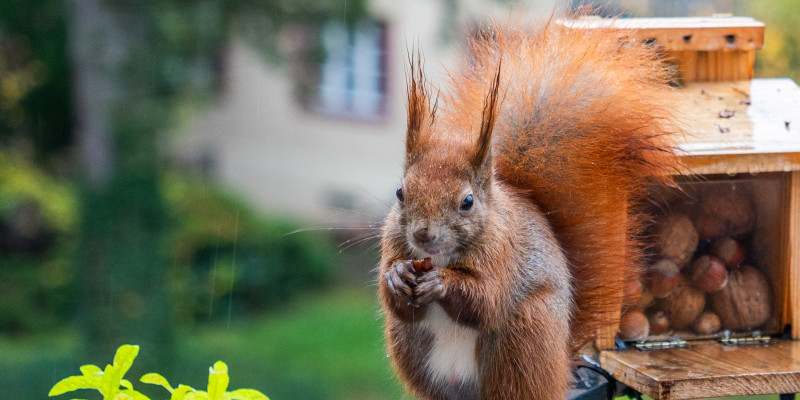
[548, 129]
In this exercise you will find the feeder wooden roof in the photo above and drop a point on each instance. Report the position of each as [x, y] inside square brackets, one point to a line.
[685, 33]
[744, 126]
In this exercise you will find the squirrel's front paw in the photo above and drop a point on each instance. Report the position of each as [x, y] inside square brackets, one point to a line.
[401, 280]
[430, 287]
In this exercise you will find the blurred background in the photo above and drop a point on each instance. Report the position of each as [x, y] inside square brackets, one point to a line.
[206, 178]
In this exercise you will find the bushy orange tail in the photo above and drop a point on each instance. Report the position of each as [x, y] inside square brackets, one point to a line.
[586, 122]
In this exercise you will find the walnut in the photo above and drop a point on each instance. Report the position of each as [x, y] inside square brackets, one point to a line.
[676, 239]
[745, 302]
[734, 208]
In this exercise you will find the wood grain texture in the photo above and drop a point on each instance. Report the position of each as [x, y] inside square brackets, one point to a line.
[768, 248]
[755, 139]
[713, 66]
[708, 369]
[792, 295]
[689, 33]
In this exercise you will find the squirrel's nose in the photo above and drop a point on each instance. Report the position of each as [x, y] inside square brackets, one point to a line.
[422, 235]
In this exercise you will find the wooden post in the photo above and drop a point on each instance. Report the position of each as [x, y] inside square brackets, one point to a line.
[792, 295]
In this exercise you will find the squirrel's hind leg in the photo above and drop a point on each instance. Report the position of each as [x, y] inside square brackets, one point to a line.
[530, 360]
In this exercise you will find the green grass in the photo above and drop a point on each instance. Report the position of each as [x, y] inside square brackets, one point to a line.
[328, 346]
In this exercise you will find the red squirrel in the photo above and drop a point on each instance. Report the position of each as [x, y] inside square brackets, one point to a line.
[520, 183]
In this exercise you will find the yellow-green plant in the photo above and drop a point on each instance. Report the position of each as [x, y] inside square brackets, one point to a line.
[111, 383]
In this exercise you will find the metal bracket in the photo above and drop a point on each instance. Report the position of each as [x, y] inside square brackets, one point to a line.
[661, 345]
[756, 339]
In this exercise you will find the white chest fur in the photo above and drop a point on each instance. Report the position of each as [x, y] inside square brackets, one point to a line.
[452, 356]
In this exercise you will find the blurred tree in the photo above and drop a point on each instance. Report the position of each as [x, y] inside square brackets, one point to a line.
[132, 62]
[34, 75]
[780, 56]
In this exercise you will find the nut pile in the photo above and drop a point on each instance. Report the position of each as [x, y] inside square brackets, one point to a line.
[702, 279]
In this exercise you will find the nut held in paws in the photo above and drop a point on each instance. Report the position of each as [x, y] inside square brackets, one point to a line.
[423, 265]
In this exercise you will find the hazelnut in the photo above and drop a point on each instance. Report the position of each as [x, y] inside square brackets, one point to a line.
[683, 305]
[745, 302]
[664, 277]
[633, 326]
[659, 323]
[677, 239]
[729, 251]
[421, 266]
[709, 274]
[707, 323]
[646, 300]
[632, 291]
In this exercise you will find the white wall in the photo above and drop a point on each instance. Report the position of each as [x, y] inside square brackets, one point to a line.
[288, 160]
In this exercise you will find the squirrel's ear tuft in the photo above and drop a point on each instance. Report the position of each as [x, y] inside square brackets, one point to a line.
[490, 110]
[419, 111]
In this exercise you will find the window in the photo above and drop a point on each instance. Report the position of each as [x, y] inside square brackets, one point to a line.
[352, 77]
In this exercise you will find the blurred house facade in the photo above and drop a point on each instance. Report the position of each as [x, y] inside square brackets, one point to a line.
[326, 143]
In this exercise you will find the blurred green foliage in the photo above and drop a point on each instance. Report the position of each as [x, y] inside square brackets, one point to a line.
[108, 247]
[219, 242]
[35, 75]
[780, 56]
[224, 256]
[37, 226]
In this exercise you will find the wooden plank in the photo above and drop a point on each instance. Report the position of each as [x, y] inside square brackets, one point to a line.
[755, 139]
[792, 295]
[708, 369]
[740, 163]
[688, 33]
[687, 65]
[767, 249]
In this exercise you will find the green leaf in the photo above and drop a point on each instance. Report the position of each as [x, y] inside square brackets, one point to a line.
[124, 357]
[180, 392]
[73, 383]
[112, 376]
[91, 370]
[156, 379]
[110, 384]
[197, 395]
[126, 384]
[217, 380]
[134, 394]
[245, 394]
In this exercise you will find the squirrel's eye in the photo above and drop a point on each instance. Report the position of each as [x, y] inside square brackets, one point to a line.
[466, 204]
[399, 193]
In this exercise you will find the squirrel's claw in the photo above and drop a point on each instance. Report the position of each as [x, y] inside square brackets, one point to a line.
[430, 287]
[401, 279]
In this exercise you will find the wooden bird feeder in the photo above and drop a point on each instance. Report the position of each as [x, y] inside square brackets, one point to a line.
[741, 186]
